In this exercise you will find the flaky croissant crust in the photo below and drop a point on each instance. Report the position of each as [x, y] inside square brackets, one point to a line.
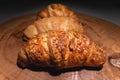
[60, 49]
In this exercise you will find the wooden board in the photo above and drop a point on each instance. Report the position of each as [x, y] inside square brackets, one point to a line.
[102, 32]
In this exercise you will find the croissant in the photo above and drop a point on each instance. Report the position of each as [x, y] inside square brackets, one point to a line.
[54, 17]
[52, 23]
[61, 49]
[56, 10]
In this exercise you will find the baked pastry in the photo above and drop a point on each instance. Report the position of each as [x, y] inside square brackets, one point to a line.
[61, 49]
[56, 40]
[56, 10]
[52, 23]
[54, 17]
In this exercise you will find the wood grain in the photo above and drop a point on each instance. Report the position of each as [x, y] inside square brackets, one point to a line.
[102, 32]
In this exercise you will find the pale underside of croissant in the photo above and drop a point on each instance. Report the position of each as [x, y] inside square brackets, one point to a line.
[61, 49]
[53, 23]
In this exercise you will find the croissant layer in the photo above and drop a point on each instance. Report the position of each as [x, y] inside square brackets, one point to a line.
[53, 23]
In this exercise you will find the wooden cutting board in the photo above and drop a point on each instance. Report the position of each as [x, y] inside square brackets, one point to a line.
[102, 32]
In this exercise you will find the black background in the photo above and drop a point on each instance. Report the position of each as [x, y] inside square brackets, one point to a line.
[108, 10]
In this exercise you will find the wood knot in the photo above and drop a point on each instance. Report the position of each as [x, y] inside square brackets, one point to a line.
[114, 60]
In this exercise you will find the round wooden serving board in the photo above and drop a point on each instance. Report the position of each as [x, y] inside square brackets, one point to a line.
[104, 33]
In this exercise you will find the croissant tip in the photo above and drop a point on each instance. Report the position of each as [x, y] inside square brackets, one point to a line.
[21, 64]
[22, 60]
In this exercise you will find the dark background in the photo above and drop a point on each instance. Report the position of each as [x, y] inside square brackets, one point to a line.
[107, 10]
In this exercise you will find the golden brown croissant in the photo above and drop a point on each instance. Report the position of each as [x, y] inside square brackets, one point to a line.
[52, 23]
[61, 49]
[56, 10]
